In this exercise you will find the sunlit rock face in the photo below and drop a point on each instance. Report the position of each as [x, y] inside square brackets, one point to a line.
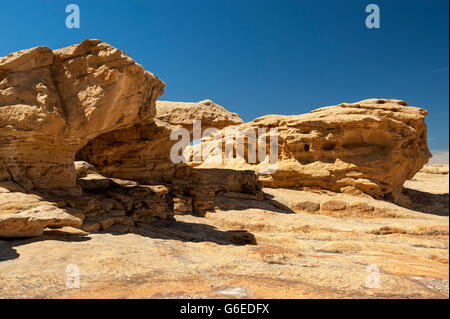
[143, 151]
[53, 102]
[92, 102]
[372, 146]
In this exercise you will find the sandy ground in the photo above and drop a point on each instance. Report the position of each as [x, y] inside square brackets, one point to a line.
[250, 249]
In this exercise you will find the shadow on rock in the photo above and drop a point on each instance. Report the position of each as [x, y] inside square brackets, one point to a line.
[7, 252]
[59, 237]
[428, 203]
[192, 232]
[229, 202]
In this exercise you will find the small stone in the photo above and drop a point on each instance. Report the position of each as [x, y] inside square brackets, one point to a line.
[306, 206]
[360, 208]
[332, 205]
[90, 226]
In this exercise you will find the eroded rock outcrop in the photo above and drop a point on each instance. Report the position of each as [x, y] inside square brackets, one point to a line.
[142, 153]
[372, 146]
[53, 102]
[93, 103]
[184, 114]
[105, 204]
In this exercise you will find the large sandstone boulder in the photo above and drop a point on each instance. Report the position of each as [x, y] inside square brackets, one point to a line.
[183, 114]
[53, 102]
[142, 152]
[372, 146]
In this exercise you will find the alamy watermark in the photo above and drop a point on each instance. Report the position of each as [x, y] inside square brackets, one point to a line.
[251, 145]
[373, 19]
[73, 277]
[73, 19]
[373, 277]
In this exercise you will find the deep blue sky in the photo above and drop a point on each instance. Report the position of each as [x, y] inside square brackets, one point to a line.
[257, 57]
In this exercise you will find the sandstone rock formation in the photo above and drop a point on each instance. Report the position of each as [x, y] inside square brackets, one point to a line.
[435, 169]
[142, 152]
[53, 102]
[183, 114]
[206, 230]
[119, 206]
[105, 204]
[32, 222]
[93, 103]
[372, 146]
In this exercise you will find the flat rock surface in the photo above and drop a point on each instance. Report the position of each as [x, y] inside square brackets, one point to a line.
[295, 244]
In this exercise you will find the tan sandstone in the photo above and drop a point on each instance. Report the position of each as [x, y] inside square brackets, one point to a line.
[53, 102]
[142, 151]
[32, 222]
[138, 225]
[372, 147]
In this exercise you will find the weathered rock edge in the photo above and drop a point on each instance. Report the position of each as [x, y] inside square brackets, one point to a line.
[53, 102]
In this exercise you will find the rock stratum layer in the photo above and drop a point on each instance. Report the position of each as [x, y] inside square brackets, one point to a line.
[372, 146]
[53, 102]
